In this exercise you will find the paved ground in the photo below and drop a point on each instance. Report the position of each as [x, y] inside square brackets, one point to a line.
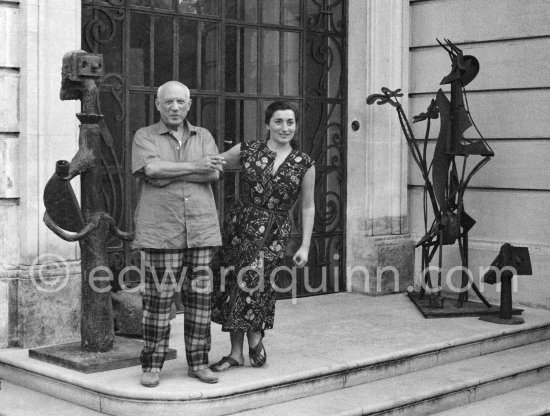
[311, 336]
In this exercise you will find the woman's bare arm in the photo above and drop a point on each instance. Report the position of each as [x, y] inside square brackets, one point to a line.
[232, 157]
[308, 216]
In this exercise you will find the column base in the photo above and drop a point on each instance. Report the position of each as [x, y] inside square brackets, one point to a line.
[380, 265]
[40, 306]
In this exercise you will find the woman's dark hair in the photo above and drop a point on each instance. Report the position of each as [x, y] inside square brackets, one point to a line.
[281, 106]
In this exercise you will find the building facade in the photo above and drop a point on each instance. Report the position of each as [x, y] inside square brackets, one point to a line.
[327, 56]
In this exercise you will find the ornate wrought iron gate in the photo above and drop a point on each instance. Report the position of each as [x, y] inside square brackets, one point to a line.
[236, 56]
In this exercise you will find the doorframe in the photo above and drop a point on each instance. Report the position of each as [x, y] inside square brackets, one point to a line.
[378, 235]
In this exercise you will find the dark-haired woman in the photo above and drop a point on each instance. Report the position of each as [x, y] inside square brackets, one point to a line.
[256, 230]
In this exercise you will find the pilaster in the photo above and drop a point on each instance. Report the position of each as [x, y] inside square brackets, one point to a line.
[39, 273]
[377, 229]
[49, 128]
[10, 63]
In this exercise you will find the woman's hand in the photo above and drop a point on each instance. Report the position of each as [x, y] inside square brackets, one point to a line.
[209, 164]
[300, 258]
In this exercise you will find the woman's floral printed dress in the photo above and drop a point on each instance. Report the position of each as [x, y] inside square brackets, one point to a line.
[255, 234]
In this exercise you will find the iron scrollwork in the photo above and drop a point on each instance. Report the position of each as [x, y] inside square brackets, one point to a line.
[325, 18]
[102, 27]
[325, 86]
[114, 83]
[101, 31]
[324, 53]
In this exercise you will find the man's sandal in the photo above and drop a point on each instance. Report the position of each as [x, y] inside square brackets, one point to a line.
[258, 354]
[229, 360]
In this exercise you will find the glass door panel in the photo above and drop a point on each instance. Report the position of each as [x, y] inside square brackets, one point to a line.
[241, 122]
[292, 14]
[163, 47]
[246, 10]
[139, 55]
[142, 3]
[201, 7]
[210, 64]
[271, 11]
[285, 12]
[209, 7]
[209, 113]
[270, 62]
[162, 4]
[188, 52]
[241, 60]
[141, 107]
[291, 63]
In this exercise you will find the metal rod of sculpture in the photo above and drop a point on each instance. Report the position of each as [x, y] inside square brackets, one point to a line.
[92, 227]
[446, 187]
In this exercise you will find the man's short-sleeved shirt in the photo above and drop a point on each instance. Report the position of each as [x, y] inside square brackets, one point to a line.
[181, 214]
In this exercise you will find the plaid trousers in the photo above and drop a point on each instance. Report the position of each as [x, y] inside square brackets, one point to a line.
[166, 271]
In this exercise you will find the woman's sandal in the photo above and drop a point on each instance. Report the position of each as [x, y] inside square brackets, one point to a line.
[258, 354]
[229, 360]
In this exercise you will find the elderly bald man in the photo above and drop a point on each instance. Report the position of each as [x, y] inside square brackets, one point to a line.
[177, 228]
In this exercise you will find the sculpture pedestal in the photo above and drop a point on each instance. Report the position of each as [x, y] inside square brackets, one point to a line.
[514, 320]
[505, 316]
[451, 310]
[125, 353]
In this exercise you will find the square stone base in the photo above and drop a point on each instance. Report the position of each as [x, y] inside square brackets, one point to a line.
[125, 353]
[451, 310]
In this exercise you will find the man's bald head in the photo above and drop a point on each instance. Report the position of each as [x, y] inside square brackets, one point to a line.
[173, 102]
[171, 85]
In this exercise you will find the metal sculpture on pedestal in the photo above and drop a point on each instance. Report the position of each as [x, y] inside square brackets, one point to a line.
[447, 185]
[92, 226]
[511, 261]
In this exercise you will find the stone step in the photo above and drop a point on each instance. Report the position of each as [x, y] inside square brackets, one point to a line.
[222, 399]
[528, 401]
[19, 401]
[428, 391]
[348, 340]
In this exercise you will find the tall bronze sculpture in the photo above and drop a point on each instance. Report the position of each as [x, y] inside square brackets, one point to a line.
[445, 184]
[91, 226]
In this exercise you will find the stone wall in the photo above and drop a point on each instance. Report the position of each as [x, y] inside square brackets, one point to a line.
[36, 129]
[10, 78]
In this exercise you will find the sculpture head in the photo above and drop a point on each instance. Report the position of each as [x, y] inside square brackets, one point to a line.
[78, 67]
[463, 67]
[509, 262]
